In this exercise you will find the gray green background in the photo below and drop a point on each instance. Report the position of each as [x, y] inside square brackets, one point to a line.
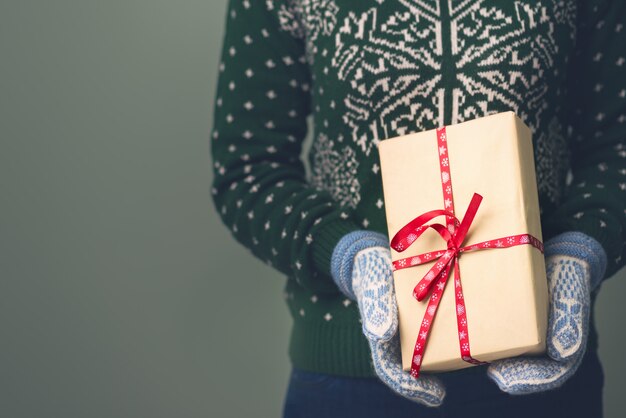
[121, 293]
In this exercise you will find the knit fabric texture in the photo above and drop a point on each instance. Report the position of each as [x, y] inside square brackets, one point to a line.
[372, 282]
[569, 284]
[361, 267]
[362, 71]
[344, 253]
[582, 247]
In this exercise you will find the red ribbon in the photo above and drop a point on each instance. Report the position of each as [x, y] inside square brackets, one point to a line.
[454, 233]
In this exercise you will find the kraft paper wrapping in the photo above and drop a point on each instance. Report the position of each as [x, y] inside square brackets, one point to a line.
[505, 289]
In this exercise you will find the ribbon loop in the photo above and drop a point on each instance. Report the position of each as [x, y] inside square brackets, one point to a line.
[411, 231]
[404, 238]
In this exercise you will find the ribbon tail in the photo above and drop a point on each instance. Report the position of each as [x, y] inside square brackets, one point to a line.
[461, 318]
[423, 287]
[427, 321]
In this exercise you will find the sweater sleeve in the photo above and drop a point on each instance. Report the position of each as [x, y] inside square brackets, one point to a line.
[595, 200]
[260, 190]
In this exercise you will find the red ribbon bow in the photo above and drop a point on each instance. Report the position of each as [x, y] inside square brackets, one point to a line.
[436, 278]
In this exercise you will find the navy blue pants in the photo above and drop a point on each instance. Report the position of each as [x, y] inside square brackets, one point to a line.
[470, 394]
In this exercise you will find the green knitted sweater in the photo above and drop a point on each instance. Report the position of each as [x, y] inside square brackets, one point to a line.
[366, 70]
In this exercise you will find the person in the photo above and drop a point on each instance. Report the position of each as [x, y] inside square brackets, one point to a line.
[368, 70]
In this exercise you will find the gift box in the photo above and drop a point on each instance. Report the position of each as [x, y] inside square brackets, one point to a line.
[480, 277]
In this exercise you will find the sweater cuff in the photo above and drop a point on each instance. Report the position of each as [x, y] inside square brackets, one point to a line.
[326, 238]
[342, 260]
[581, 246]
[605, 230]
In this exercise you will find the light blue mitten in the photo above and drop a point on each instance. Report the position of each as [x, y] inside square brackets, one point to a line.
[575, 265]
[361, 267]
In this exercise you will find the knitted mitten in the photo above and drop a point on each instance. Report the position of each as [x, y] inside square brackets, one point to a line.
[575, 265]
[361, 267]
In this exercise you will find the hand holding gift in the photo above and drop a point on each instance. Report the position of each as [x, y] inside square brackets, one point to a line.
[361, 267]
[504, 304]
[575, 265]
[513, 309]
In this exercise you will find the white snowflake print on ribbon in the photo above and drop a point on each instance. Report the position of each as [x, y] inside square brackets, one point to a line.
[460, 309]
[417, 359]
